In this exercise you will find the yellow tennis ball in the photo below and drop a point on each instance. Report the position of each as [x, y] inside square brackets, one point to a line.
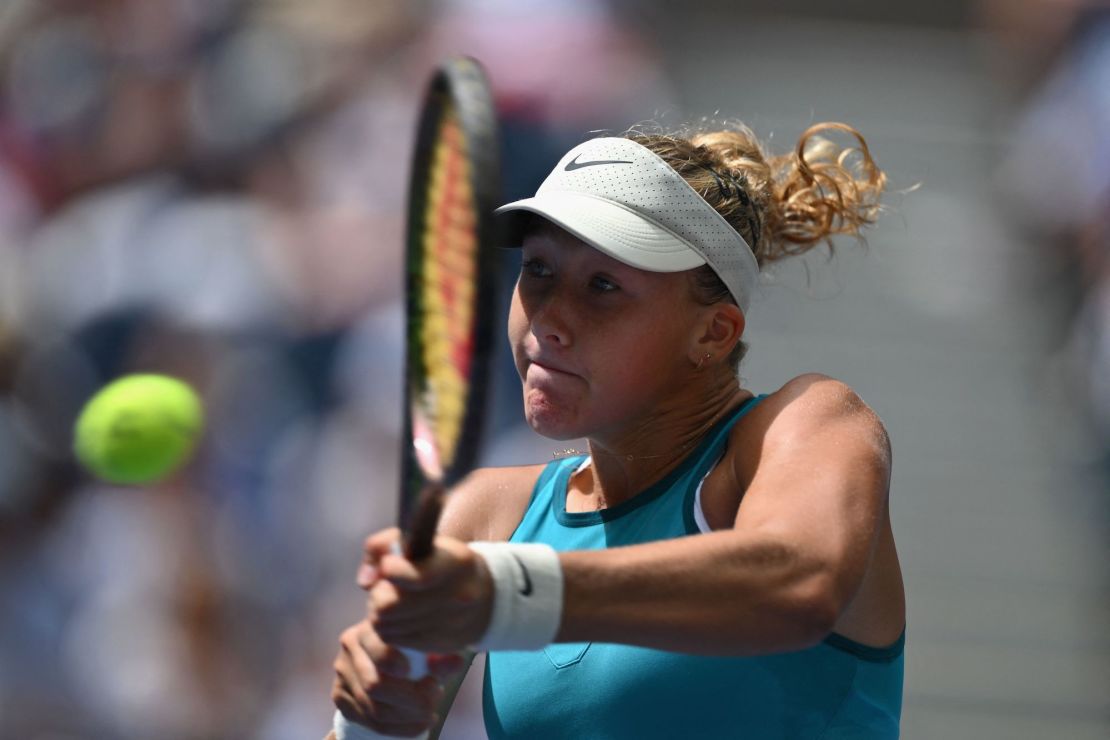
[138, 429]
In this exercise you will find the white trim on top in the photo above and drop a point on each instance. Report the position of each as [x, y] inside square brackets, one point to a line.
[699, 512]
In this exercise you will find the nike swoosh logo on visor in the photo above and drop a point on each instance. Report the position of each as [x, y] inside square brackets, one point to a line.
[527, 589]
[574, 164]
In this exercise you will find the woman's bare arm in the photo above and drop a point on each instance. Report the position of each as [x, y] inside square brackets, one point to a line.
[489, 503]
[779, 579]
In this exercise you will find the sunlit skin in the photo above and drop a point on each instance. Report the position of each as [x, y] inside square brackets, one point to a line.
[611, 353]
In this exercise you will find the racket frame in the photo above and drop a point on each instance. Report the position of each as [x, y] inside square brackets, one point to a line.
[460, 83]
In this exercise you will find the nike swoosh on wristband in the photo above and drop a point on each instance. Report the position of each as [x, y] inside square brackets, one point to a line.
[574, 164]
[526, 590]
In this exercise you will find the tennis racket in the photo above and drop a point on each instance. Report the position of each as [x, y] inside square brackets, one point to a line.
[451, 295]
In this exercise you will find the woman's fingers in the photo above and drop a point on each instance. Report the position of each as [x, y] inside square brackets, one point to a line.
[384, 723]
[374, 548]
[388, 602]
[380, 544]
[382, 659]
[366, 672]
[394, 702]
[442, 602]
[354, 671]
[450, 561]
[430, 624]
[353, 709]
[371, 686]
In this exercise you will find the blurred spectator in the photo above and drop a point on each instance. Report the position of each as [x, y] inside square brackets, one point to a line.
[199, 189]
[1057, 177]
[215, 190]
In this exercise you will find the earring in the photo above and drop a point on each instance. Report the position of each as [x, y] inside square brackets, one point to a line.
[704, 359]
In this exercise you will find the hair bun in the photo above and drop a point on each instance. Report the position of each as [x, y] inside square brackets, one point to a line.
[794, 201]
[823, 189]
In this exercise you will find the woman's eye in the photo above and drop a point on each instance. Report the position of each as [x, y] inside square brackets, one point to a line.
[604, 284]
[534, 268]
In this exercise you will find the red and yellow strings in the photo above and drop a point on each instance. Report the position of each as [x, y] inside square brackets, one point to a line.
[449, 280]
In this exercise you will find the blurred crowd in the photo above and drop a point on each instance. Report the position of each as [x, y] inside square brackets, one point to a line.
[1055, 183]
[214, 189]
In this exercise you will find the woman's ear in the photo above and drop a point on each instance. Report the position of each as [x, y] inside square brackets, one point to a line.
[722, 326]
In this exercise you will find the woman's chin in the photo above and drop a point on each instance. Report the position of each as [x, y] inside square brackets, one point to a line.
[550, 428]
[547, 420]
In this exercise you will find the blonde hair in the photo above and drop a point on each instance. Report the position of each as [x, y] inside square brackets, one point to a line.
[794, 201]
[783, 205]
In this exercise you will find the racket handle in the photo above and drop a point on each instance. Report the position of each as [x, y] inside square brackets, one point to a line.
[419, 544]
[345, 729]
[418, 661]
[422, 528]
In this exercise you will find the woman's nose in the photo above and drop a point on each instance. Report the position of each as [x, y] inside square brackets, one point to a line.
[549, 321]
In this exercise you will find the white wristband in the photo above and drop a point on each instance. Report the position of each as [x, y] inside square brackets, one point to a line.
[527, 595]
[345, 729]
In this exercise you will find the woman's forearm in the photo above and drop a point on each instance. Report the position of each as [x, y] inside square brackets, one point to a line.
[723, 593]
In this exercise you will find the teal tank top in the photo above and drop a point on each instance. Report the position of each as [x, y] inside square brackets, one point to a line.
[836, 690]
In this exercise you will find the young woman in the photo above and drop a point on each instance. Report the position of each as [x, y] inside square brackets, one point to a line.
[720, 564]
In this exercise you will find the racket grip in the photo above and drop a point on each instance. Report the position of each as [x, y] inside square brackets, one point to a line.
[422, 528]
[418, 545]
[418, 661]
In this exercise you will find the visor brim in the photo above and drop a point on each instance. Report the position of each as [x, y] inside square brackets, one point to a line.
[609, 227]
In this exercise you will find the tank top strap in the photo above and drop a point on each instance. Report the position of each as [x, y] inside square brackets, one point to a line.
[711, 452]
[545, 487]
[551, 470]
[710, 455]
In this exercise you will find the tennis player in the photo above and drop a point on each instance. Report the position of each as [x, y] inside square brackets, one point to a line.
[718, 563]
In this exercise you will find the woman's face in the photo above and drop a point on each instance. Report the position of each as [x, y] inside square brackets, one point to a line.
[599, 345]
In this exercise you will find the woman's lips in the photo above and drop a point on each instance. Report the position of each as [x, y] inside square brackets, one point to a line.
[551, 367]
[542, 374]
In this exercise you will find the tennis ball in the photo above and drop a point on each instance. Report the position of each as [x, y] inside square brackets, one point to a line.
[138, 429]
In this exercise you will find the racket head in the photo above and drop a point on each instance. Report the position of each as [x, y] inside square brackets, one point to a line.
[450, 290]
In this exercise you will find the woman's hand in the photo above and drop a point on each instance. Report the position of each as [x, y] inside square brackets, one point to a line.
[442, 603]
[371, 685]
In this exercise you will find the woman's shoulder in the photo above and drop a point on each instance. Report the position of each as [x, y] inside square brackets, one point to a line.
[816, 394]
[489, 503]
[803, 405]
[812, 418]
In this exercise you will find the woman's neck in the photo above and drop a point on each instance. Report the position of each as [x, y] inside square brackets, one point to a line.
[626, 464]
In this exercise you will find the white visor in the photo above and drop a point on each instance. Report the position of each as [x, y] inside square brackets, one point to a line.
[625, 201]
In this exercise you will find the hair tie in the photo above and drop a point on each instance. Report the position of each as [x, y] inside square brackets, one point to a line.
[724, 189]
[754, 222]
[751, 214]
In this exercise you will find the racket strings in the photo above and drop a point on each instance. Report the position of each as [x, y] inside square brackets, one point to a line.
[446, 285]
